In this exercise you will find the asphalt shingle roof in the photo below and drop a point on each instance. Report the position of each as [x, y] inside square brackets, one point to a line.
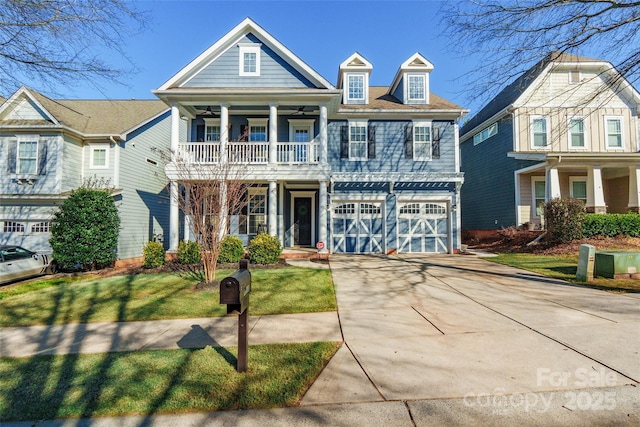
[380, 99]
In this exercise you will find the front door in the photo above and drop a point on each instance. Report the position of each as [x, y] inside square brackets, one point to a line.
[302, 221]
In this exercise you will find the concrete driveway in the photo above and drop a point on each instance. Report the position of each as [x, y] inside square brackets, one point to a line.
[460, 335]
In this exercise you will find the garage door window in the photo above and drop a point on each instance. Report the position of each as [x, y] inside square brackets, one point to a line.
[346, 209]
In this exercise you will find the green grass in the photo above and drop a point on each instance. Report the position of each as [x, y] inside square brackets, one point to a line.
[562, 267]
[162, 296]
[152, 382]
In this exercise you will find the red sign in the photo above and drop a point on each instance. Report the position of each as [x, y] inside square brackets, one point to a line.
[320, 246]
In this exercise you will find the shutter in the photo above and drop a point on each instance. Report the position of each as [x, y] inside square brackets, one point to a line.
[371, 142]
[200, 133]
[344, 142]
[408, 141]
[12, 155]
[42, 156]
[435, 143]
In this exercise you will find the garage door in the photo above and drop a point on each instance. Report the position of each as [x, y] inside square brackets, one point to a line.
[423, 227]
[357, 227]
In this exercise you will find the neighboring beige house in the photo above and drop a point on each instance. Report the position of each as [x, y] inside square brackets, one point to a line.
[567, 127]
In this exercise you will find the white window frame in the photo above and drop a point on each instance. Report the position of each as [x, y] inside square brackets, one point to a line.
[252, 193]
[534, 210]
[365, 87]
[301, 124]
[485, 133]
[24, 139]
[533, 133]
[365, 125]
[574, 77]
[429, 143]
[13, 227]
[570, 134]
[209, 123]
[250, 48]
[608, 146]
[422, 77]
[258, 122]
[92, 150]
[573, 179]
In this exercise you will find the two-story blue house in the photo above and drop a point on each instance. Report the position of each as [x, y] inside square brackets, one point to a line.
[49, 147]
[362, 169]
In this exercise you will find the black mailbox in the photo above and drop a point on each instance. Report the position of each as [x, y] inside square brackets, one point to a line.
[235, 289]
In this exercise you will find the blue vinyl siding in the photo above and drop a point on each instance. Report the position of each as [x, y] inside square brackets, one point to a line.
[488, 193]
[238, 121]
[274, 71]
[399, 92]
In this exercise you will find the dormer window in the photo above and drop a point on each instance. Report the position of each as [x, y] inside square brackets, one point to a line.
[415, 87]
[250, 60]
[356, 87]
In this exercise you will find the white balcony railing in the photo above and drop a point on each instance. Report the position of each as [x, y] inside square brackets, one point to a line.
[249, 152]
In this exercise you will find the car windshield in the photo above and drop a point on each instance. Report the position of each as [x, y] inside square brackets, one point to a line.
[16, 252]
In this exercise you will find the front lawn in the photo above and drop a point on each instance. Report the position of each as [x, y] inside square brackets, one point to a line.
[160, 296]
[152, 382]
[562, 267]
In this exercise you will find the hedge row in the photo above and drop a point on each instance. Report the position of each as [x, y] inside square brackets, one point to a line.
[611, 225]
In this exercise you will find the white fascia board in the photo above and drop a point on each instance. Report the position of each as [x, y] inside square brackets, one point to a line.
[536, 157]
[26, 92]
[345, 114]
[124, 134]
[228, 40]
[531, 168]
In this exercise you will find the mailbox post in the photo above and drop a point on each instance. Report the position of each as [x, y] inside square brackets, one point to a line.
[234, 292]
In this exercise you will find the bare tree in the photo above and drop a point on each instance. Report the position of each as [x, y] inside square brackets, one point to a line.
[510, 36]
[54, 42]
[213, 196]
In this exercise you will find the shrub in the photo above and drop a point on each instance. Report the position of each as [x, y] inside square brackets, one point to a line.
[264, 249]
[564, 218]
[84, 230]
[611, 225]
[153, 255]
[231, 250]
[189, 252]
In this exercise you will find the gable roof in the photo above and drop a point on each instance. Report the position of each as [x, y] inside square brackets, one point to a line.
[416, 62]
[512, 92]
[232, 37]
[88, 117]
[355, 62]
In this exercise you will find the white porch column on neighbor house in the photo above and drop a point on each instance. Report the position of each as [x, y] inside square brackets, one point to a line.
[323, 135]
[281, 215]
[175, 130]
[322, 216]
[186, 234]
[595, 191]
[224, 130]
[553, 183]
[634, 189]
[272, 216]
[174, 217]
[273, 136]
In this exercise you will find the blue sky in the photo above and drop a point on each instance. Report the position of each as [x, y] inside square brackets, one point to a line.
[321, 33]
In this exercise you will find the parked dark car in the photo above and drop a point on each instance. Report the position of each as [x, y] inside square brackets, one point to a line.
[18, 263]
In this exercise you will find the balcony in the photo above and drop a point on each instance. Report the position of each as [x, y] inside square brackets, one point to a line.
[254, 153]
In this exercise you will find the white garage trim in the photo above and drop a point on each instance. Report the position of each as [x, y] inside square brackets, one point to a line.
[357, 226]
[424, 226]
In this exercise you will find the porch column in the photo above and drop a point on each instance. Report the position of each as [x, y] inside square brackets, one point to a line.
[187, 218]
[323, 135]
[281, 215]
[174, 217]
[175, 131]
[634, 189]
[322, 216]
[273, 135]
[553, 184]
[272, 216]
[595, 192]
[224, 130]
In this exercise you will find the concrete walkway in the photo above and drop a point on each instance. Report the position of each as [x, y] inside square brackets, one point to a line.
[429, 340]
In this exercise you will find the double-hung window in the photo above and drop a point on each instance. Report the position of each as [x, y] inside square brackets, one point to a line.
[256, 210]
[539, 196]
[358, 140]
[416, 90]
[613, 128]
[421, 141]
[27, 156]
[249, 60]
[576, 133]
[212, 133]
[99, 157]
[356, 87]
[578, 188]
[539, 135]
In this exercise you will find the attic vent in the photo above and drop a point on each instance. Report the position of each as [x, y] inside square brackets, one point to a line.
[152, 162]
[417, 62]
[356, 62]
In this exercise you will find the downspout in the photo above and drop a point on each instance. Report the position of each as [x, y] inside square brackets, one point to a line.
[116, 162]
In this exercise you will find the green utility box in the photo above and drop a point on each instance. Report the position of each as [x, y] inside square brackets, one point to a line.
[617, 264]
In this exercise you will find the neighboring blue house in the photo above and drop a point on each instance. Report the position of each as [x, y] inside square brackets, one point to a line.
[362, 169]
[568, 127]
[50, 147]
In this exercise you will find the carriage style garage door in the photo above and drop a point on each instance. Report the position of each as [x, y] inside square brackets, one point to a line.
[423, 227]
[357, 227]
